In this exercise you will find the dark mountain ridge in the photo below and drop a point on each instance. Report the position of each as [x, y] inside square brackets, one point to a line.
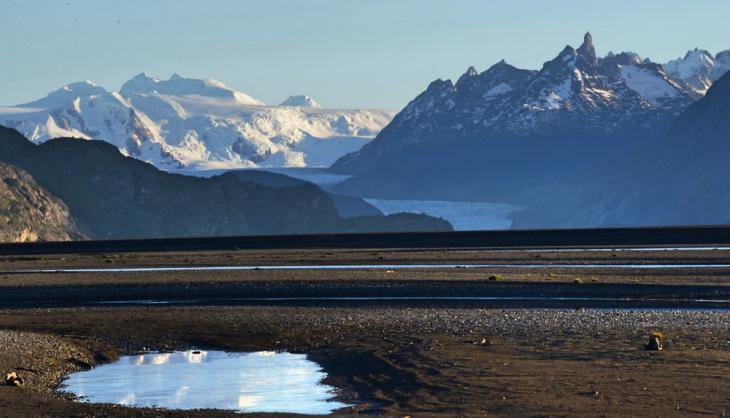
[681, 179]
[499, 134]
[111, 196]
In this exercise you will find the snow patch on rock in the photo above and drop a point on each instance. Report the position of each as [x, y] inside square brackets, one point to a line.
[647, 84]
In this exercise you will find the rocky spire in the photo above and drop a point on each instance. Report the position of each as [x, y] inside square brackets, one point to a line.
[469, 74]
[586, 50]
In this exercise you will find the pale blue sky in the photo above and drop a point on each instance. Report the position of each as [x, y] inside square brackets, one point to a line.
[344, 53]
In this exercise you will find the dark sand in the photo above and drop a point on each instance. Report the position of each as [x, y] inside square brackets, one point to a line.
[399, 360]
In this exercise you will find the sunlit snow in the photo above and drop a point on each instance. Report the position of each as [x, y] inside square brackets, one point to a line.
[647, 84]
[199, 124]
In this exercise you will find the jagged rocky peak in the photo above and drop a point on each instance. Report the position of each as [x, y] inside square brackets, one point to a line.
[301, 100]
[701, 55]
[500, 66]
[698, 69]
[470, 80]
[470, 73]
[440, 86]
[503, 71]
[566, 54]
[584, 57]
[625, 58]
[693, 61]
[576, 93]
[723, 57]
[587, 50]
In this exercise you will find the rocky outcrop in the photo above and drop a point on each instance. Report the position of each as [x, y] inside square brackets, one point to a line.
[29, 213]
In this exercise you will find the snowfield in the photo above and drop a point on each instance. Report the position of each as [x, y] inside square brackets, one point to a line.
[198, 124]
[699, 68]
[648, 84]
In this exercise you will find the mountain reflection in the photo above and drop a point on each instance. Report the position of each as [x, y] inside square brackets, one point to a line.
[264, 381]
[158, 359]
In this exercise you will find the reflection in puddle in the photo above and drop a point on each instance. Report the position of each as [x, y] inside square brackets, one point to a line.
[263, 381]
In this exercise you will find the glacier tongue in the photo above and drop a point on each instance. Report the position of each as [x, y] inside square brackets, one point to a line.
[197, 124]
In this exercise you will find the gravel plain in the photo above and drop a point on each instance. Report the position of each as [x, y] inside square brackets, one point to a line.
[424, 359]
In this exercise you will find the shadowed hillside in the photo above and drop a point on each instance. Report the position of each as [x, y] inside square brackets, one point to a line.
[112, 196]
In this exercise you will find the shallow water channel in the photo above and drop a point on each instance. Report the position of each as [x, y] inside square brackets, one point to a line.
[264, 381]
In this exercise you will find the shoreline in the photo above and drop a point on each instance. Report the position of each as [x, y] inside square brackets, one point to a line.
[398, 361]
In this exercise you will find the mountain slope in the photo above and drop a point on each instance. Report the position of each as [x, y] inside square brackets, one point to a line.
[575, 95]
[111, 196]
[699, 68]
[29, 213]
[347, 206]
[197, 124]
[681, 179]
[502, 134]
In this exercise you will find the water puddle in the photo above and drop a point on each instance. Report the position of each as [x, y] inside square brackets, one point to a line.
[603, 250]
[264, 381]
[619, 303]
[373, 267]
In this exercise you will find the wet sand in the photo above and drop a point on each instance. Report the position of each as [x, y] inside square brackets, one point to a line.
[423, 359]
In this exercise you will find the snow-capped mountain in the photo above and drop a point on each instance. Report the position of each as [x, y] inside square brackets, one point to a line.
[197, 124]
[575, 95]
[85, 110]
[699, 68]
[301, 101]
[511, 135]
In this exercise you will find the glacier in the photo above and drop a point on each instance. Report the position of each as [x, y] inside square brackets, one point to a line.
[194, 124]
